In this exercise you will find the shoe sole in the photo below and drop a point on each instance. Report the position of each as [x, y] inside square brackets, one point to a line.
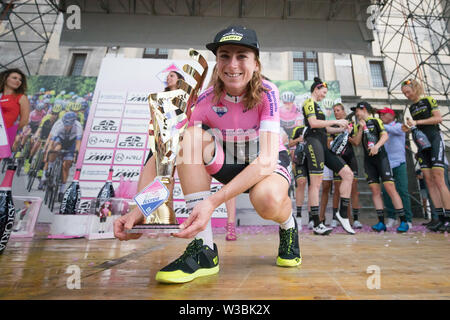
[341, 221]
[378, 230]
[323, 234]
[181, 277]
[289, 262]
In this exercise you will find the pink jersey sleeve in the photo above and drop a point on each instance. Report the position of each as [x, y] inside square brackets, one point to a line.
[201, 108]
[270, 111]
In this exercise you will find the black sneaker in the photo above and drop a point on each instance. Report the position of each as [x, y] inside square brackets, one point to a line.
[198, 260]
[437, 225]
[289, 249]
[60, 196]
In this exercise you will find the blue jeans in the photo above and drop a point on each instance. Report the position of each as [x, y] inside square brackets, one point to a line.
[401, 184]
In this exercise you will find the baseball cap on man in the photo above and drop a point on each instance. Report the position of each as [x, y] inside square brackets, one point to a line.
[362, 104]
[238, 35]
[387, 110]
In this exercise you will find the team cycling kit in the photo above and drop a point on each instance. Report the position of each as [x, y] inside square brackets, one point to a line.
[434, 157]
[66, 138]
[317, 152]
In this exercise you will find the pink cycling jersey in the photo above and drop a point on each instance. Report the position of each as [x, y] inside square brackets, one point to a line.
[36, 116]
[235, 122]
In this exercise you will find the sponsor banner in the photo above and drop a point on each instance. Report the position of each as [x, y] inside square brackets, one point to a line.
[109, 110]
[137, 111]
[102, 140]
[105, 125]
[94, 172]
[138, 98]
[181, 212]
[135, 141]
[129, 157]
[98, 156]
[134, 125]
[128, 172]
[112, 97]
[90, 189]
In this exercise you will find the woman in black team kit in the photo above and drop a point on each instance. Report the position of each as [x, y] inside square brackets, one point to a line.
[426, 117]
[376, 165]
[348, 155]
[318, 155]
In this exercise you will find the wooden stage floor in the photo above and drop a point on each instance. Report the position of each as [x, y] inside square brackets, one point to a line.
[415, 265]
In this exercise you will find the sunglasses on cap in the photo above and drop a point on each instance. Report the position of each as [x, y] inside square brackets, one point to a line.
[407, 82]
[322, 85]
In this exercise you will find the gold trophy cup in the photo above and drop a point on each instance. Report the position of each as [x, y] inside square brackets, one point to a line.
[169, 111]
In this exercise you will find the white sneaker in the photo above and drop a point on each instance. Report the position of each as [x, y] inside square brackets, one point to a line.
[345, 223]
[299, 223]
[322, 230]
[357, 225]
[311, 225]
[334, 223]
[391, 223]
[410, 225]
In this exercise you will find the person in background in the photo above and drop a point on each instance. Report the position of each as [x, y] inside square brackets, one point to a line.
[396, 153]
[300, 171]
[14, 104]
[423, 195]
[427, 117]
[376, 165]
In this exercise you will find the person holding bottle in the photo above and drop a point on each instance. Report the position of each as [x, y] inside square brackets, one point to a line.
[397, 160]
[426, 118]
[376, 165]
[318, 155]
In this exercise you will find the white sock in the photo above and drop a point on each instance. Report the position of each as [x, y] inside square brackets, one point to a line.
[191, 200]
[289, 223]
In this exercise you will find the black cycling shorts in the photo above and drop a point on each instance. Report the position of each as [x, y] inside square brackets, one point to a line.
[224, 166]
[318, 155]
[377, 167]
[300, 171]
[352, 163]
[435, 156]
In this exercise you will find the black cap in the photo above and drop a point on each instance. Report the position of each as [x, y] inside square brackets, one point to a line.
[235, 35]
[362, 104]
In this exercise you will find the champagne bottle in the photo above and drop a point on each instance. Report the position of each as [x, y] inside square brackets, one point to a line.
[7, 210]
[71, 199]
[339, 144]
[106, 193]
[420, 139]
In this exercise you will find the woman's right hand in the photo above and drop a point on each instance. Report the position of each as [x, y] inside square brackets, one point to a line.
[342, 123]
[126, 222]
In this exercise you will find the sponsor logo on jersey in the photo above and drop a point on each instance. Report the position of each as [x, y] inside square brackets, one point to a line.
[220, 110]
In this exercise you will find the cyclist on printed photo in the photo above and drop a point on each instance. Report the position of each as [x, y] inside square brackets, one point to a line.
[65, 136]
[34, 120]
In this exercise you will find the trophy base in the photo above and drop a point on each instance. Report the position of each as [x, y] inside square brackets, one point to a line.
[155, 228]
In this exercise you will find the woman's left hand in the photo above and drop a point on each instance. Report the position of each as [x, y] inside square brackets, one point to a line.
[373, 151]
[197, 220]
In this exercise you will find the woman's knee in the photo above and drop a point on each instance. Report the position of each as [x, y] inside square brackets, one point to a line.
[346, 174]
[268, 202]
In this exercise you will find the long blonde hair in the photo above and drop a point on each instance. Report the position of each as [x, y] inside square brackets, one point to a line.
[415, 85]
[254, 90]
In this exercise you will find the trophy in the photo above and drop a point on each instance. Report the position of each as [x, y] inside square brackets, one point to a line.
[169, 111]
